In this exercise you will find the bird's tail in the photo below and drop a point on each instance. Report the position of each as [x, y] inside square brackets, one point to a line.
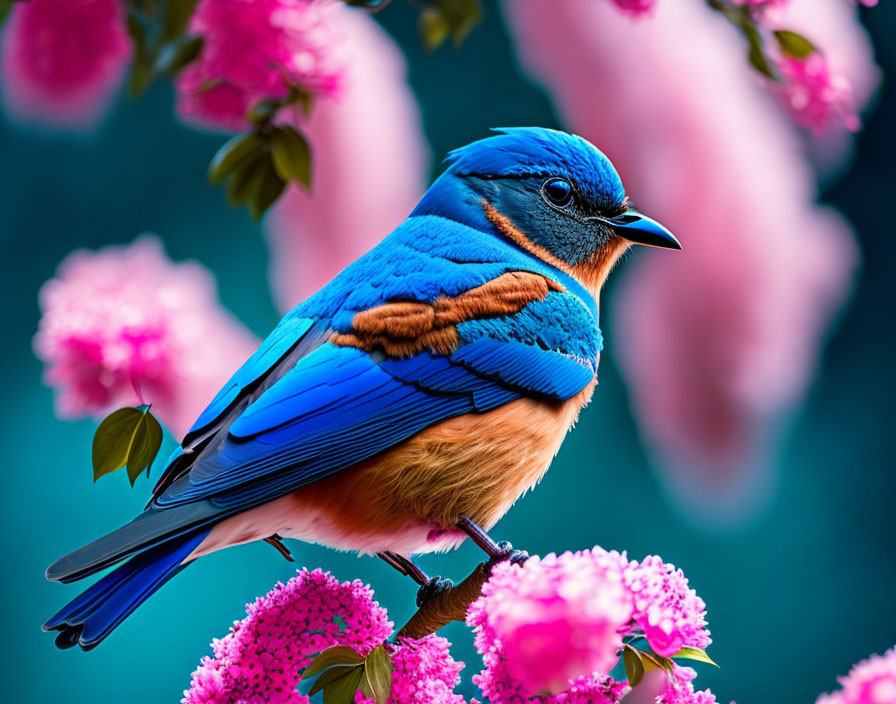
[93, 615]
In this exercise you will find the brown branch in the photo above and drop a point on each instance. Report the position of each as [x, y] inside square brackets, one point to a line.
[450, 605]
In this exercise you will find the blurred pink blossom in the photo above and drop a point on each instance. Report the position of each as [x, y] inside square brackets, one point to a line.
[574, 607]
[259, 660]
[369, 167]
[871, 681]
[62, 61]
[740, 314]
[125, 325]
[256, 49]
[635, 8]
[813, 95]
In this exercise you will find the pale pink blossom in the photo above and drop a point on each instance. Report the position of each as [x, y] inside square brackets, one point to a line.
[369, 167]
[634, 8]
[574, 607]
[260, 659]
[62, 61]
[813, 95]
[740, 314]
[124, 325]
[871, 681]
[256, 49]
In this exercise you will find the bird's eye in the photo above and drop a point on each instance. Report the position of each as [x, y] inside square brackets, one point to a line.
[557, 191]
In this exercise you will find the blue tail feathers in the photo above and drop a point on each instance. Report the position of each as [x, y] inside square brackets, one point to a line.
[93, 615]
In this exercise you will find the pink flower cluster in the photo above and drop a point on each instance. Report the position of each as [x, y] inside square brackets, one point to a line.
[871, 681]
[423, 671]
[577, 607]
[256, 49]
[62, 61]
[680, 689]
[814, 95]
[259, 660]
[670, 614]
[125, 325]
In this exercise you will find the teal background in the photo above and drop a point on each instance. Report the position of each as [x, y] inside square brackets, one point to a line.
[794, 598]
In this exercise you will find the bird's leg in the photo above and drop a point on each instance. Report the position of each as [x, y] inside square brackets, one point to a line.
[495, 551]
[277, 542]
[429, 586]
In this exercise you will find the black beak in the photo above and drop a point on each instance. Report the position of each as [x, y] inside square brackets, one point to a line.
[640, 229]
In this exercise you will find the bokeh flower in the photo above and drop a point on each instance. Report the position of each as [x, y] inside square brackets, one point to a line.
[314, 235]
[124, 325]
[634, 8]
[871, 681]
[259, 660]
[61, 62]
[814, 95]
[553, 619]
[741, 315]
[256, 49]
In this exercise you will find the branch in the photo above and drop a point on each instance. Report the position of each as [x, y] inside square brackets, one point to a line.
[450, 605]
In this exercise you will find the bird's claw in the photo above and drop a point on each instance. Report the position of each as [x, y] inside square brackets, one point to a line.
[516, 557]
[434, 587]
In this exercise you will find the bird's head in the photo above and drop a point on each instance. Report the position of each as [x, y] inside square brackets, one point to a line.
[553, 193]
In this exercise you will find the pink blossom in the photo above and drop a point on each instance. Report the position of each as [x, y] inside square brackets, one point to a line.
[574, 607]
[667, 610]
[871, 681]
[741, 313]
[814, 95]
[367, 173]
[424, 671]
[125, 325]
[62, 61]
[256, 49]
[634, 8]
[259, 660]
[680, 689]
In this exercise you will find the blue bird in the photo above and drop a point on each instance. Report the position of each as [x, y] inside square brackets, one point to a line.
[406, 405]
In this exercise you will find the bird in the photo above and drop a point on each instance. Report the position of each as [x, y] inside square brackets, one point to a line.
[405, 406]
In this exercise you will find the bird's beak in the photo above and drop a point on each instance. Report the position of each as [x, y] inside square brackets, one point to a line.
[640, 229]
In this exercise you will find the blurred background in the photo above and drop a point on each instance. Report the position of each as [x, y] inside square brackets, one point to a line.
[792, 549]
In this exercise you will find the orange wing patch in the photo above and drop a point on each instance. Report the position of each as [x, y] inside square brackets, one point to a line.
[404, 328]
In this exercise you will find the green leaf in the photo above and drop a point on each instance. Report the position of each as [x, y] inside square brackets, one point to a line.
[794, 44]
[268, 190]
[652, 661]
[343, 690]
[378, 673]
[128, 438]
[698, 654]
[246, 178]
[330, 676]
[434, 28]
[178, 54]
[5, 7]
[634, 668]
[333, 657]
[234, 153]
[469, 14]
[177, 17]
[757, 59]
[264, 110]
[292, 155]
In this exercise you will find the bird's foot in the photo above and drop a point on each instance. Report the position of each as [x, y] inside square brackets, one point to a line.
[506, 552]
[432, 589]
[277, 542]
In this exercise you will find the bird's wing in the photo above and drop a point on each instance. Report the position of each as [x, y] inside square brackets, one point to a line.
[401, 367]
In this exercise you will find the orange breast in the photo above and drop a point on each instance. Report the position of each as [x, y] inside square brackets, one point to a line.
[474, 465]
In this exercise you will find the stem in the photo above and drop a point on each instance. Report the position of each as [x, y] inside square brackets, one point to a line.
[450, 605]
